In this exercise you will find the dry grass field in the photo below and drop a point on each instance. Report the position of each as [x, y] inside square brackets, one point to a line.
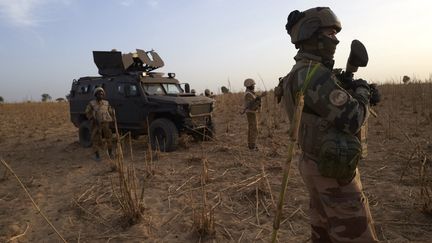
[215, 191]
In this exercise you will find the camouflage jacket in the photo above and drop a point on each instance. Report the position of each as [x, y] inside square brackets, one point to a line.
[99, 111]
[251, 103]
[327, 106]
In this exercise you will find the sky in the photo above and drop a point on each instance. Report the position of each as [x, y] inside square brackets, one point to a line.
[45, 44]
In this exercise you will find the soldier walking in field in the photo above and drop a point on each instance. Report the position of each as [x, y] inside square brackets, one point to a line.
[252, 105]
[333, 113]
[100, 113]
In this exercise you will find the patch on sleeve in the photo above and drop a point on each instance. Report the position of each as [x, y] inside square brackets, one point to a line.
[338, 97]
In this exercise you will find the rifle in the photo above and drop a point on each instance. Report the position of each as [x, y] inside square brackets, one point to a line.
[358, 57]
[252, 103]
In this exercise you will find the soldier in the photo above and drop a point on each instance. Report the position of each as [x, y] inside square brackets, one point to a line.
[252, 105]
[207, 92]
[331, 118]
[99, 112]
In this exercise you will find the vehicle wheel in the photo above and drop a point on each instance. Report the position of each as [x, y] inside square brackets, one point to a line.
[84, 134]
[163, 135]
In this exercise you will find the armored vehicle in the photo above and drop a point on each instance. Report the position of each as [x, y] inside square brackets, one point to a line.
[145, 102]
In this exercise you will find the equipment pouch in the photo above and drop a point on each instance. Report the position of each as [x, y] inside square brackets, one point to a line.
[339, 155]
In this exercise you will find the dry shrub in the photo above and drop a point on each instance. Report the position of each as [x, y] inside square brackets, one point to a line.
[130, 196]
[426, 185]
[203, 218]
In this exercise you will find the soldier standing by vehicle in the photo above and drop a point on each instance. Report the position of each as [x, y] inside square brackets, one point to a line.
[209, 94]
[331, 118]
[252, 105]
[99, 112]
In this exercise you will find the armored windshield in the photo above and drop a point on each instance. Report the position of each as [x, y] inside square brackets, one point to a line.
[162, 89]
[172, 88]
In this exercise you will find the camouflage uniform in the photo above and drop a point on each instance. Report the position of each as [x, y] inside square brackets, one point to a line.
[339, 209]
[331, 116]
[251, 109]
[100, 113]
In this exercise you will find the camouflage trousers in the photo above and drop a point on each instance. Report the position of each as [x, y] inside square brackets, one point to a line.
[101, 135]
[252, 128]
[339, 211]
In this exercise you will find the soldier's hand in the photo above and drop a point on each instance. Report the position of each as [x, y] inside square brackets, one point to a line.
[360, 83]
[375, 97]
[345, 78]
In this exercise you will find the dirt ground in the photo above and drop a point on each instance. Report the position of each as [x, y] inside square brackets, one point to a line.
[76, 194]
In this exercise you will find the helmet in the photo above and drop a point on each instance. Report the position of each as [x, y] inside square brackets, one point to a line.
[193, 91]
[302, 25]
[98, 89]
[207, 92]
[249, 82]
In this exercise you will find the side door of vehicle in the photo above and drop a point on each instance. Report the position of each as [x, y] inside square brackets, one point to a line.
[128, 103]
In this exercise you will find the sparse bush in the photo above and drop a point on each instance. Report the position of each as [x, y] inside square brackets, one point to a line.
[46, 97]
[224, 90]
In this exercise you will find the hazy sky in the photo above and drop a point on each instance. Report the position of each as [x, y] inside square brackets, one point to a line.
[45, 44]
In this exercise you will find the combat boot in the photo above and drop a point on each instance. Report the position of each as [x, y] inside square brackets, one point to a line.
[97, 156]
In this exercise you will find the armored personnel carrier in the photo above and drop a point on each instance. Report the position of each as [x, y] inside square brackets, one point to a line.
[144, 101]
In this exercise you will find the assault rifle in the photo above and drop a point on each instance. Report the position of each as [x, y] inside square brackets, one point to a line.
[254, 102]
[358, 57]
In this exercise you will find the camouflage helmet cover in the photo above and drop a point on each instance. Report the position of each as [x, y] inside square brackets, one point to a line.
[98, 89]
[302, 25]
[249, 82]
[207, 91]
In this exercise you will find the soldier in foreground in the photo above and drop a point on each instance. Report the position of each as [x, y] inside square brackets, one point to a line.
[252, 105]
[331, 118]
[99, 112]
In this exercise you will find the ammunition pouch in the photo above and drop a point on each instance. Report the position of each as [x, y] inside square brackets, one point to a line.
[336, 153]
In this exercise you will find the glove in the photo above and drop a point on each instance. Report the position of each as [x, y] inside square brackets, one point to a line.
[346, 79]
[375, 97]
[361, 91]
[360, 83]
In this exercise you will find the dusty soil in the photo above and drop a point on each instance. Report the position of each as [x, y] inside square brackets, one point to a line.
[76, 193]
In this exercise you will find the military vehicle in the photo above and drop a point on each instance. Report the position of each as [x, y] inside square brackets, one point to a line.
[145, 102]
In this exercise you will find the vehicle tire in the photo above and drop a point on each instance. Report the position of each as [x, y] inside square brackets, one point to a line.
[163, 135]
[84, 134]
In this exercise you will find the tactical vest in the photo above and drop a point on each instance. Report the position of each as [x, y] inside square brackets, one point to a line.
[249, 102]
[101, 111]
[336, 153]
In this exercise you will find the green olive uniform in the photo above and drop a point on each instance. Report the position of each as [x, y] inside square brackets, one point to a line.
[252, 107]
[100, 113]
